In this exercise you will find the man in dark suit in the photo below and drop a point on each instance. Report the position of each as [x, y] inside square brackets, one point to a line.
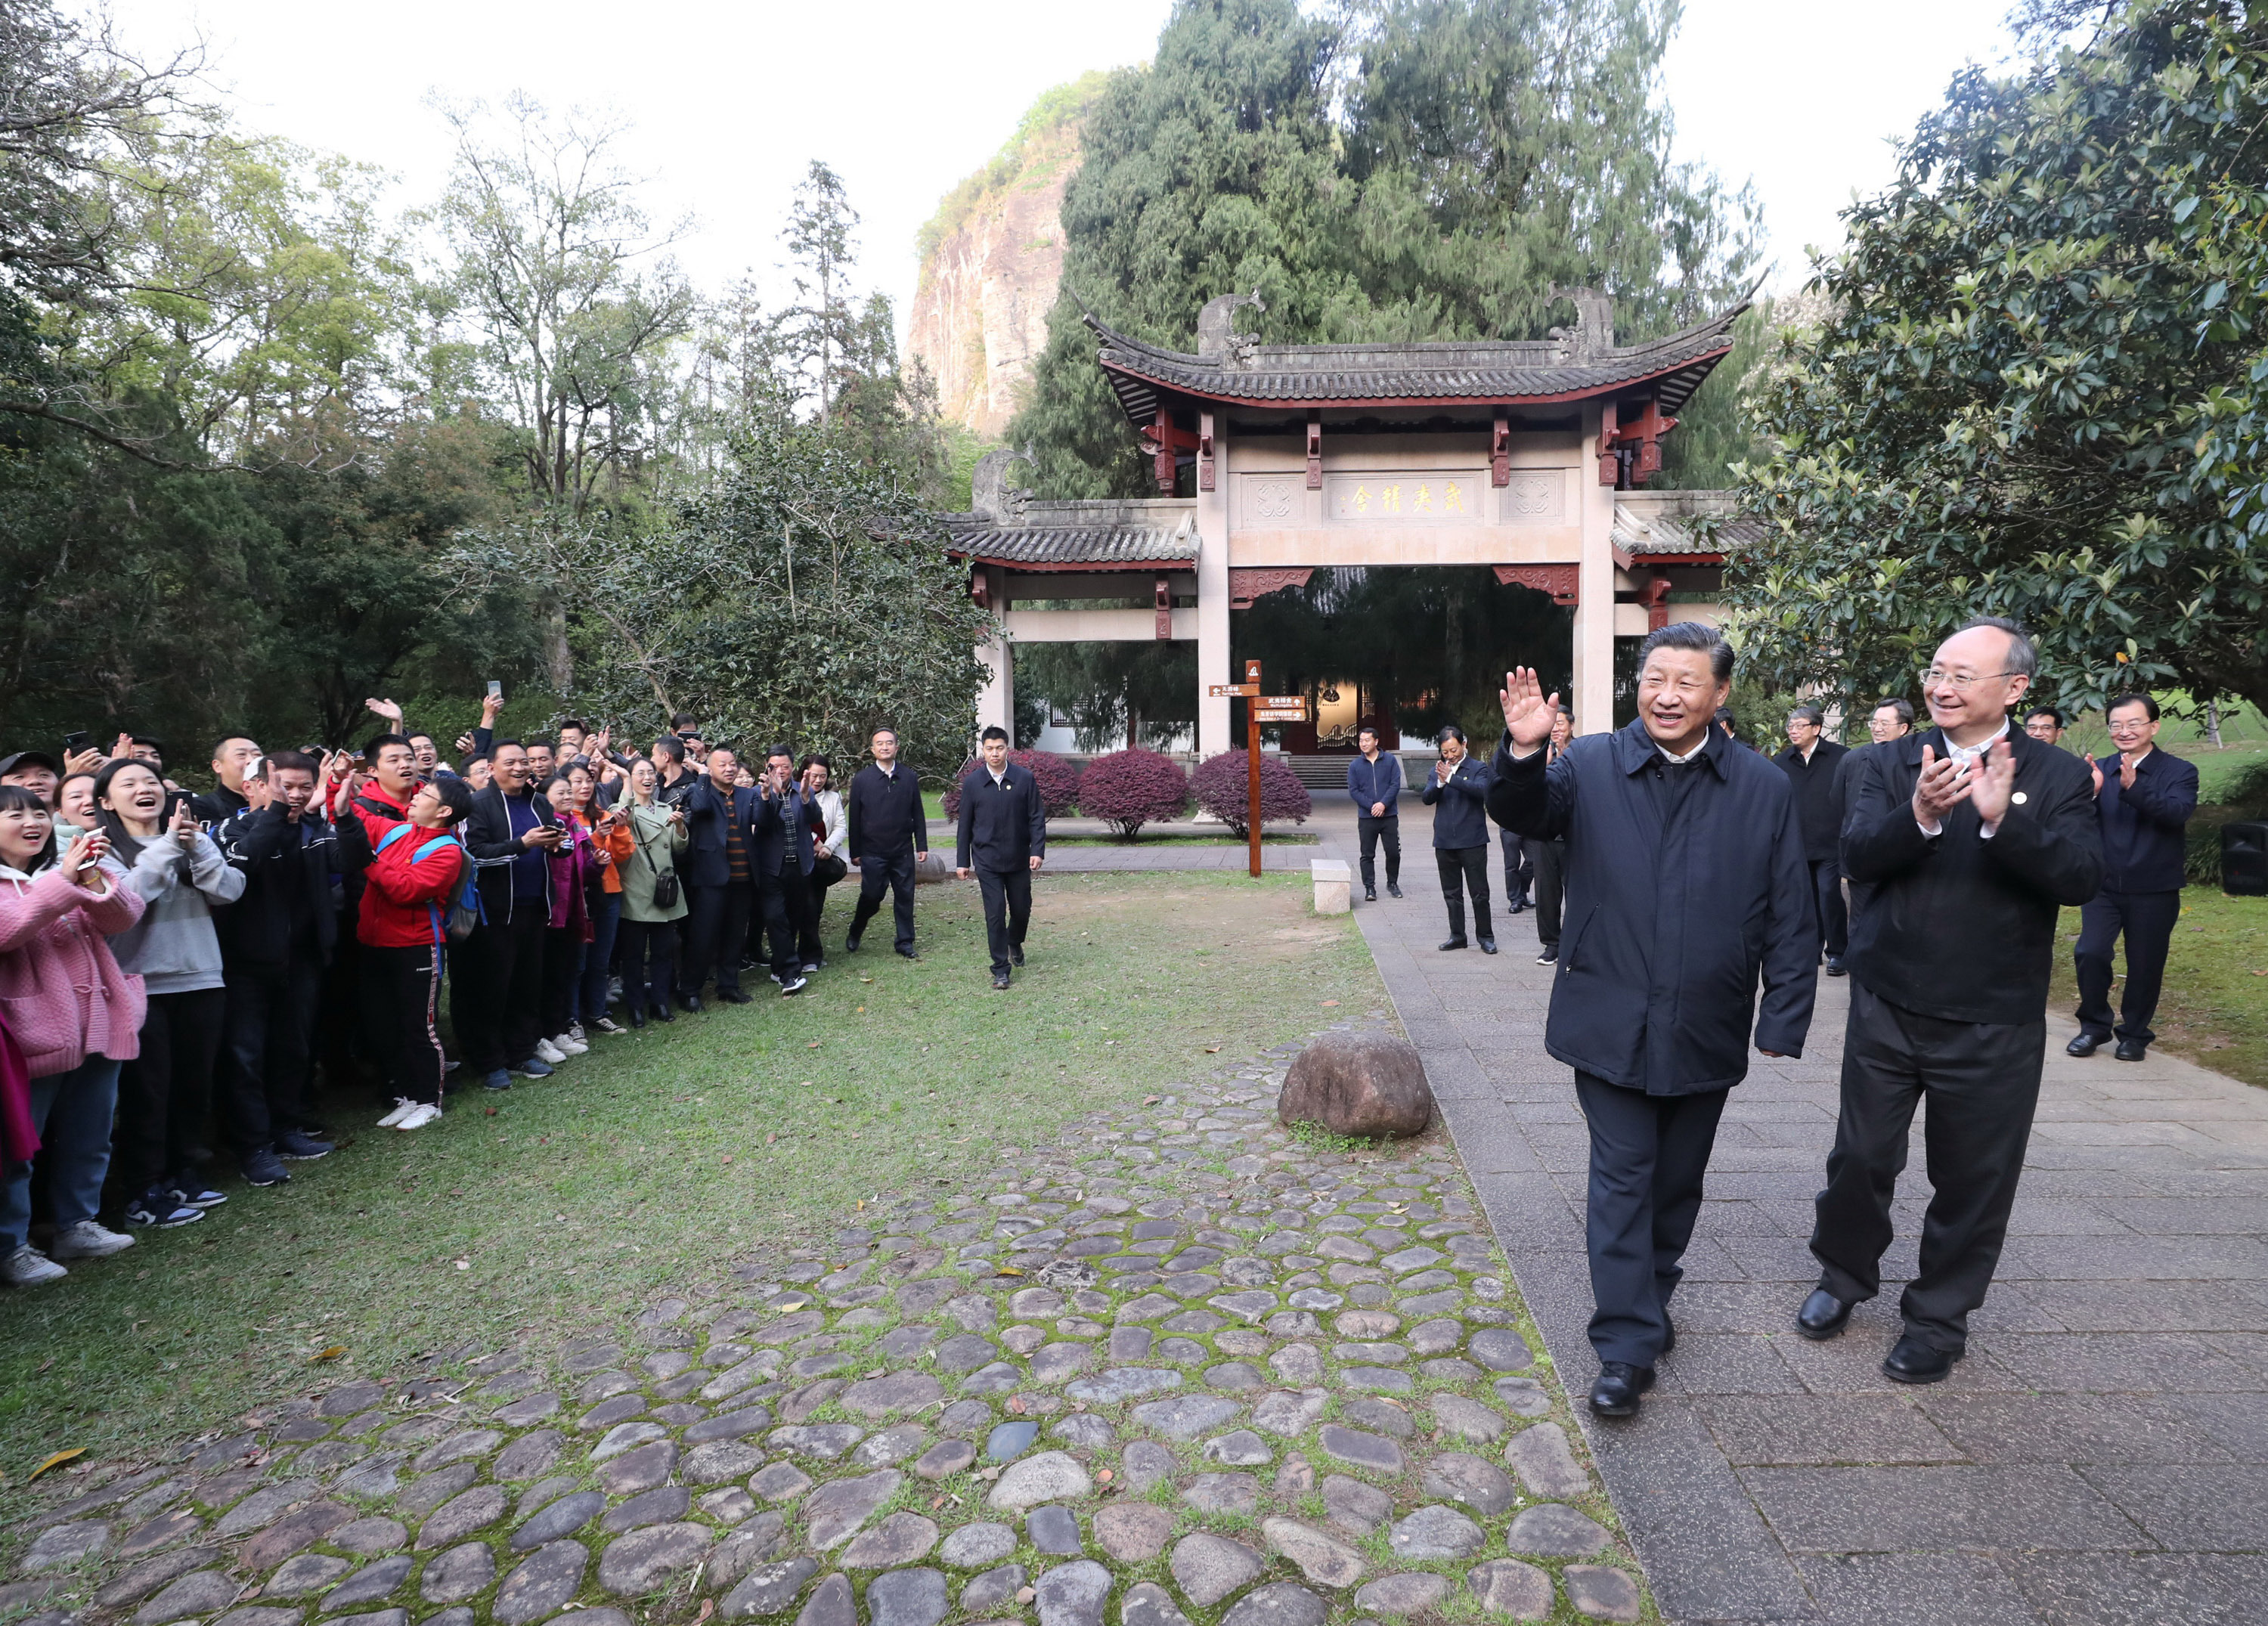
[1685, 878]
[496, 975]
[1457, 791]
[1375, 786]
[1812, 764]
[2143, 805]
[1004, 838]
[720, 888]
[1972, 836]
[886, 835]
[1890, 719]
[781, 856]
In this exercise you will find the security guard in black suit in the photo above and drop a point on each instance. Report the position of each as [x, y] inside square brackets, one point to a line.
[886, 834]
[1004, 838]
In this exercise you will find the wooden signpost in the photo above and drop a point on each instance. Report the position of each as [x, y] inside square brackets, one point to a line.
[1258, 709]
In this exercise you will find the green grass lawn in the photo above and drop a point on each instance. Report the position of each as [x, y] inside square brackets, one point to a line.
[2214, 1009]
[666, 1155]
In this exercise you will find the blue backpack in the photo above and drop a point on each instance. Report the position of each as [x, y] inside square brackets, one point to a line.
[464, 910]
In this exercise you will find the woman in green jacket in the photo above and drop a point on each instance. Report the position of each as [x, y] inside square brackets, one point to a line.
[653, 899]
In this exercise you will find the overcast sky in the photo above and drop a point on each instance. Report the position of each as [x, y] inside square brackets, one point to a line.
[730, 101]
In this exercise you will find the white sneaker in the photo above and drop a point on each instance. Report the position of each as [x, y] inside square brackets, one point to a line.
[568, 1044]
[28, 1267]
[418, 1116]
[549, 1052]
[87, 1240]
[392, 1120]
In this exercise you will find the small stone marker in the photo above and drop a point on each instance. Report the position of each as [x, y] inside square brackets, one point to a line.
[1361, 1084]
[1334, 888]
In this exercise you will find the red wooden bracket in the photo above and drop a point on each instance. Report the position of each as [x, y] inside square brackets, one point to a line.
[1611, 467]
[1563, 582]
[1205, 451]
[1314, 451]
[1500, 452]
[1165, 604]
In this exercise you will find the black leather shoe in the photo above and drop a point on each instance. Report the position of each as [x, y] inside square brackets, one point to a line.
[690, 1003]
[1488, 946]
[1835, 966]
[732, 995]
[1452, 943]
[1823, 1315]
[1519, 906]
[2130, 1050]
[1370, 894]
[851, 944]
[1620, 1384]
[1670, 1334]
[663, 1013]
[1015, 956]
[637, 1017]
[1912, 1361]
[2085, 1045]
[909, 953]
[1393, 891]
[1000, 981]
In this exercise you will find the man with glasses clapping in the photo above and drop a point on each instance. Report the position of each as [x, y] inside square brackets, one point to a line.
[1971, 837]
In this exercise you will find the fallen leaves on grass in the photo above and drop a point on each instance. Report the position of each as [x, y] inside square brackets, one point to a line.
[331, 1354]
[56, 1460]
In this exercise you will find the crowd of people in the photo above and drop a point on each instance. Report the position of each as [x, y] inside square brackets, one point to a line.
[174, 967]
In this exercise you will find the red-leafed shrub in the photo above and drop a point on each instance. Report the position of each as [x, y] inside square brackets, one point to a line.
[1221, 784]
[1127, 790]
[1059, 782]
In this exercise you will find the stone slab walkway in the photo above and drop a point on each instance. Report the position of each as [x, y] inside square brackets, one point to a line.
[2100, 1458]
[1164, 1366]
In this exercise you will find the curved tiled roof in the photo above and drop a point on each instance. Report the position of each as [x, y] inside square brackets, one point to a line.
[1661, 525]
[1089, 536]
[1492, 371]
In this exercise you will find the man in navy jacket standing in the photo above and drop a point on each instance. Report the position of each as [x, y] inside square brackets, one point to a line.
[887, 837]
[2144, 807]
[1813, 766]
[1375, 786]
[1004, 838]
[1457, 791]
[1686, 877]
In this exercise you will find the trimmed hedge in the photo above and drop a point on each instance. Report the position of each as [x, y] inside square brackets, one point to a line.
[1127, 790]
[1059, 782]
[1223, 790]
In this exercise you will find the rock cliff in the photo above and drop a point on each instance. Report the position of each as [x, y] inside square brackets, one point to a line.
[991, 259]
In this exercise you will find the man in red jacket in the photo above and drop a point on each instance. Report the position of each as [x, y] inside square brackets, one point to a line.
[417, 867]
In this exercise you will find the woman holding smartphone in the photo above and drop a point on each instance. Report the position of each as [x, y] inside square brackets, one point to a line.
[180, 873]
[76, 1015]
[611, 846]
[653, 898]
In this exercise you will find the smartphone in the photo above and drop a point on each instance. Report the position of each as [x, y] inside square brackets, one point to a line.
[496, 688]
[174, 800]
[75, 742]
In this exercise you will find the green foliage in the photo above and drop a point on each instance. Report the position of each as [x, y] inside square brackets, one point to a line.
[1486, 149]
[1045, 137]
[2037, 388]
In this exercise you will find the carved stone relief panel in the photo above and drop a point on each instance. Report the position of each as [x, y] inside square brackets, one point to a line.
[1272, 501]
[1533, 497]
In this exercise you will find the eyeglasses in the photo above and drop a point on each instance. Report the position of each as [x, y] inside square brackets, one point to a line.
[1962, 681]
[2131, 725]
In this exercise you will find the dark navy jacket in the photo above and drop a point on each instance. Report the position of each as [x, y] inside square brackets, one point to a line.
[708, 815]
[777, 830]
[885, 814]
[1818, 795]
[1669, 923]
[1955, 926]
[2143, 838]
[1003, 826]
[1461, 806]
[1369, 782]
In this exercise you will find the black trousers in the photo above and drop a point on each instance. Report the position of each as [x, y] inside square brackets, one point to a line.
[164, 1092]
[894, 870]
[1982, 1080]
[401, 1007]
[1549, 860]
[778, 902]
[267, 1025]
[1518, 873]
[648, 949]
[809, 948]
[716, 931]
[1374, 831]
[2148, 919]
[1008, 912]
[1465, 869]
[1648, 1153]
[495, 988]
[562, 967]
[1827, 897]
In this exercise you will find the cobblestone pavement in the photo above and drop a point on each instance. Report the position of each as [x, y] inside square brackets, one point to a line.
[2100, 1458]
[1170, 1367]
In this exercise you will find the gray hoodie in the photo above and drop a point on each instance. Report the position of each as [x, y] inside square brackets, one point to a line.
[174, 948]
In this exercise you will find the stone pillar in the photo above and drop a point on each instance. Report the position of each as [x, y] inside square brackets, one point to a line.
[1212, 598]
[996, 702]
[1594, 685]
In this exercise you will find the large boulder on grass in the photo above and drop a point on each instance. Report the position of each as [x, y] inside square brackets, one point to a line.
[1367, 1084]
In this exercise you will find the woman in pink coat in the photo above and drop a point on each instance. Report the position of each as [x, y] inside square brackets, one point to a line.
[75, 1016]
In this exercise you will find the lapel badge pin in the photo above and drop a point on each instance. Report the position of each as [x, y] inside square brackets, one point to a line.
[2019, 797]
